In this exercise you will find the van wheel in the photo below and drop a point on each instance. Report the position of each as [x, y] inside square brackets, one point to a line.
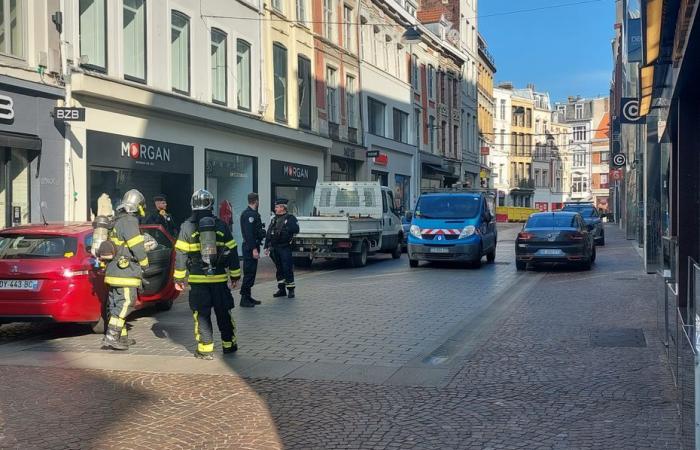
[413, 263]
[491, 256]
[359, 259]
[396, 253]
[165, 305]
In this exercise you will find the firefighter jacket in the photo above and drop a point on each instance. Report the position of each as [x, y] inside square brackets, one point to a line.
[130, 259]
[188, 259]
[282, 230]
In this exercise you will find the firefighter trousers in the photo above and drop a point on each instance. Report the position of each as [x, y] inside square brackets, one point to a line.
[282, 257]
[121, 304]
[203, 298]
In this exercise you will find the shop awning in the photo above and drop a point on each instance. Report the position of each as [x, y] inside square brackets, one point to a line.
[437, 169]
[23, 141]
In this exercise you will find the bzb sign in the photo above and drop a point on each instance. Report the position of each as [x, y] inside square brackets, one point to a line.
[69, 114]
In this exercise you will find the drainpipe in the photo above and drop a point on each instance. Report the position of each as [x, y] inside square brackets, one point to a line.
[69, 191]
[360, 89]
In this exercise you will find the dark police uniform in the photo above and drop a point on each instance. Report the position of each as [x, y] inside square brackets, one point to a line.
[208, 291]
[253, 233]
[124, 273]
[278, 240]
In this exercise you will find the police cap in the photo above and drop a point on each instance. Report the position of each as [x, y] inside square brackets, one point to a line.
[281, 201]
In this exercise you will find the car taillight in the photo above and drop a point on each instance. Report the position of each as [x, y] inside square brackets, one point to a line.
[525, 236]
[75, 272]
[344, 244]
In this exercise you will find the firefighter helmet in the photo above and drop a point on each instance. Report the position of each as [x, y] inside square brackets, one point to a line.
[133, 202]
[202, 200]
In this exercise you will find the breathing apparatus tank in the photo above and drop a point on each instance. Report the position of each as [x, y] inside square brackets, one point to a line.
[207, 241]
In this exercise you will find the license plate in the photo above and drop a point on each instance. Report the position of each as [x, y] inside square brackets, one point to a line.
[439, 250]
[550, 252]
[19, 285]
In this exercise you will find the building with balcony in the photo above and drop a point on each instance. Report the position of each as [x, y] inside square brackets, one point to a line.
[486, 103]
[522, 184]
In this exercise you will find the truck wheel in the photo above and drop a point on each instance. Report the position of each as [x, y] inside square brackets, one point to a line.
[165, 305]
[396, 253]
[302, 262]
[359, 259]
[413, 262]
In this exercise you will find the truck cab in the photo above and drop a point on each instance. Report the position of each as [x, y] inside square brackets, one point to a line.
[453, 225]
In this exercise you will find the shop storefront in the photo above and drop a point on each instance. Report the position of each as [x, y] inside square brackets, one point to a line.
[432, 175]
[294, 182]
[31, 153]
[393, 169]
[117, 163]
[231, 177]
[346, 162]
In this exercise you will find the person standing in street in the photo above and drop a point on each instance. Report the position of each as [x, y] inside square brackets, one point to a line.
[207, 259]
[161, 216]
[124, 273]
[278, 241]
[253, 232]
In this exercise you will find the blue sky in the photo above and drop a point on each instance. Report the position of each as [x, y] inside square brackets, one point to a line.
[564, 51]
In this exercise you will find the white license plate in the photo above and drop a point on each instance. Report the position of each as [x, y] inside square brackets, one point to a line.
[550, 252]
[439, 250]
[19, 285]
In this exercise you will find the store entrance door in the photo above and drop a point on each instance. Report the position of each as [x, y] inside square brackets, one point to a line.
[15, 199]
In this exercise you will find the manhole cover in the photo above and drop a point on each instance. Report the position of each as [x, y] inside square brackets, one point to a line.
[617, 337]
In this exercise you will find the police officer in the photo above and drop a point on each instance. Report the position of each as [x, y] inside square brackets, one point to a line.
[207, 258]
[253, 232]
[124, 272]
[161, 216]
[278, 241]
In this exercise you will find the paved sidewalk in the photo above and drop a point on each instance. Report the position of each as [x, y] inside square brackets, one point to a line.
[553, 358]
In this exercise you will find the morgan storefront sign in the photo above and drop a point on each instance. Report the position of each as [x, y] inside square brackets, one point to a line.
[127, 152]
[288, 173]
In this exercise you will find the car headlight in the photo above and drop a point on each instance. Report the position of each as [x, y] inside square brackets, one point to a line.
[415, 231]
[467, 231]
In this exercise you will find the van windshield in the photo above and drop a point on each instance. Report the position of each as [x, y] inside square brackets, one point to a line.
[13, 246]
[447, 207]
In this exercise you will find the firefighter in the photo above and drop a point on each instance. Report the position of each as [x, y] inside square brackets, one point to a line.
[253, 232]
[278, 241]
[207, 259]
[124, 273]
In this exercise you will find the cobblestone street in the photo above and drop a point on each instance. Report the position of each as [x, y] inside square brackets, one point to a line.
[381, 357]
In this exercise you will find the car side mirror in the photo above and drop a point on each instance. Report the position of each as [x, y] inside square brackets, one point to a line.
[409, 216]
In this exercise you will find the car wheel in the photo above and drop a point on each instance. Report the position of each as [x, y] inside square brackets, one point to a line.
[491, 256]
[413, 262]
[165, 305]
[359, 259]
[593, 255]
[520, 265]
[601, 242]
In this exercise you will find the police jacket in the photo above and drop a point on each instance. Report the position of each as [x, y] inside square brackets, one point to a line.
[130, 260]
[252, 229]
[164, 219]
[282, 230]
[188, 259]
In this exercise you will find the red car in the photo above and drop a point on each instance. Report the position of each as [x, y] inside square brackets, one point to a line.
[48, 274]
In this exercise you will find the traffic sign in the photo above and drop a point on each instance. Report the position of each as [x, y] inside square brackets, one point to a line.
[619, 160]
[372, 153]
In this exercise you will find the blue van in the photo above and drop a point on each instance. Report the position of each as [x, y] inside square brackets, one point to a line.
[453, 226]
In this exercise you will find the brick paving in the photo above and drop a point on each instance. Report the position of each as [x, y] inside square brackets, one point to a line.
[521, 370]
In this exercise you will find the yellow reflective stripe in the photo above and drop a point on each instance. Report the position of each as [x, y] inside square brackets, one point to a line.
[195, 314]
[127, 302]
[195, 247]
[180, 274]
[143, 262]
[136, 240]
[233, 322]
[226, 344]
[223, 278]
[182, 245]
[231, 244]
[220, 233]
[195, 234]
[116, 322]
[205, 348]
[124, 332]
[291, 285]
[120, 281]
[117, 240]
[235, 273]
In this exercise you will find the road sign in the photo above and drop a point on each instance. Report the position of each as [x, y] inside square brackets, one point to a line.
[630, 111]
[619, 160]
[372, 153]
[69, 114]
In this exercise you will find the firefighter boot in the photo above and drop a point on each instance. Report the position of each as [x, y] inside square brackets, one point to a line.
[281, 291]
[246, 301]
[125, 340]
[290, 292]
[204, 356]
[112, 339]
[232, 349]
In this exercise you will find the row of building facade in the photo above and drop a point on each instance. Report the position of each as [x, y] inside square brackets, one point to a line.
[655, 135]
[236, 96]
